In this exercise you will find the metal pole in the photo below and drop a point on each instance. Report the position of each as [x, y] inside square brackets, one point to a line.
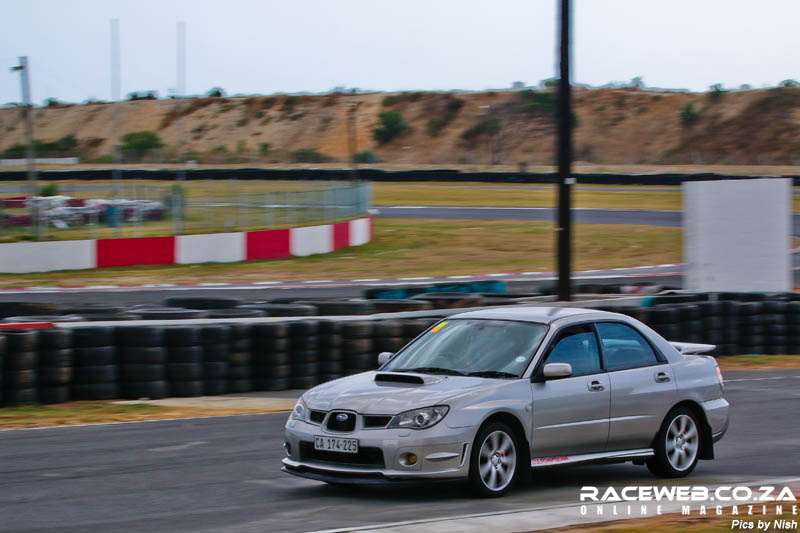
[24, 71]
[565, 180]
[181, 89]
[351, 138]
[115, 97]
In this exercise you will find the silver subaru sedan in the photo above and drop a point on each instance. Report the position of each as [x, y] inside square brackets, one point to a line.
[488, 395]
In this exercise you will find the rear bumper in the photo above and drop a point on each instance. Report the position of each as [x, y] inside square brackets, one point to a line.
[718, 416]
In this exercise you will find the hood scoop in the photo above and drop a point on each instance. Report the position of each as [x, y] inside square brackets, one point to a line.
[386, 377]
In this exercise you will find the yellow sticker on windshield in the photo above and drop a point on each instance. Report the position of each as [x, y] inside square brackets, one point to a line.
[438, 327]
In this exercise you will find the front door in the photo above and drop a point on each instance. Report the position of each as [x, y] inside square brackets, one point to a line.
[570, 415]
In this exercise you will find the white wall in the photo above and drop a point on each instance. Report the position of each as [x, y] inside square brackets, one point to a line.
[359, 231]
[212, 248]
[737, 235]
[311, 240]
[21, 257]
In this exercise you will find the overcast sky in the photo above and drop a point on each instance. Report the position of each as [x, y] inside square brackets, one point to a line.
[266, 46]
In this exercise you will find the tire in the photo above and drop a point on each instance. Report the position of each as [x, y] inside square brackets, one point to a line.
[140, 335]
[357, 346]
[215, 334]
[238, 372]
[19, 379]
[241, 345]
[278, 344]
[330, 327]
[240, 385]
[186, 388]
[273, 372]
[21, 361]
[84, 310]
[182, 336]
[181, 372]
[20, 340]
[241, 330]
[285, 310]
[216, 353]
[55, 339]
[153, 390]
[303, 328]
[271, 384]
[401, 306]
[95, 391]
[389, 344]
[669, 461]
[92, 336]
[345, 307]
[56, 358]
[112, 318]
[357, 329]
[305, 343]
[95, 355]
[271, 359]
[215, 387]
[50, 377]
[304, 370]
[494, 461]
[307, 356]
[239, 359]
[330, 367]
[48, 395]
[142, 372]
[334, 340]
[215, 371]
[185, 354]
[272, 330]
[303, 382]
[236, 313]
[27, 308]
[20, 396]
[191, 302]
[170, 313]
[153, 355]
[361, 361]
[95, 374]
[388, 328]
[330, 354]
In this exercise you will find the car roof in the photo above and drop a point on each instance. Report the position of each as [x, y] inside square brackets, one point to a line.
[542, 315]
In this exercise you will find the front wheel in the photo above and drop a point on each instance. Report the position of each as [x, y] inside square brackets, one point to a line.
[493, 461]
[677, 445]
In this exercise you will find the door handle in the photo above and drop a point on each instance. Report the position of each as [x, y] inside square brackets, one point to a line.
[661, 377]
[596, 386]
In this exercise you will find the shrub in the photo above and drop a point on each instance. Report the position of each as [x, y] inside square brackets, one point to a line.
[242, 122]
[367, 156]
[143, 95]
[451, 108]
[716, 91]
[105, 159]
[789, 83]
[308, 155]
[137, 144]
[216, 92]
[51, 189]
[66, 146]
[394, 99]
[289, 104]
[390, 125]
[264, 148]
[538, 101]
[688, 115]
[486, 127]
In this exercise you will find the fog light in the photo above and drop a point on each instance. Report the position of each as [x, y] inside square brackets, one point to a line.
[288, 448]
[408, 459]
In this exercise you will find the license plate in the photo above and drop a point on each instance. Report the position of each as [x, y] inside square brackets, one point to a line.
[335, 444]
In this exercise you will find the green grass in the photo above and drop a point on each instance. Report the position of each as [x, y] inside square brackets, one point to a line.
[755, 362]
[412, 247]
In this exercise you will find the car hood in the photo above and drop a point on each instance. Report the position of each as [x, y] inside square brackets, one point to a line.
[361, 393]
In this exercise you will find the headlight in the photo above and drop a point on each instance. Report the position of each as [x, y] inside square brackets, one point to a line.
[419, 418]
[299, 411]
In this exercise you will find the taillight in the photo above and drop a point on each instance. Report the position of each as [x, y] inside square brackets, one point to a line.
[719, 377]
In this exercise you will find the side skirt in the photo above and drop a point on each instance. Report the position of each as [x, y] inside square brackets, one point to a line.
[588, 457]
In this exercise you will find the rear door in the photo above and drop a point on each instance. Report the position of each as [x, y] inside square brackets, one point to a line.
[642, 386]
[570, 415]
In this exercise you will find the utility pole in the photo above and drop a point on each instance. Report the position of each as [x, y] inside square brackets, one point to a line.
[180, 75]
[565, 179]
[24, 71]
[351, 138]
[115, 98]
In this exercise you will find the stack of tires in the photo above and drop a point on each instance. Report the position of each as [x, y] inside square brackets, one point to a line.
[358, 351]
[239, 375]
[713, 324]
[776, 337]
[142, 359]
[751, 327]
[216, 352]
[388, 336]
[329, 351]
[691, 322]
[270, 356]
[303, 355]
[413, 327]
[55, 365]
[793, 326]
[729, 312]
[20, 367]
[664, 320]
[185, 355]
[95, 373]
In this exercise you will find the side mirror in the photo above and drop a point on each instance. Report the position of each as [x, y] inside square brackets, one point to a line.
[557, 370]
[383, 357]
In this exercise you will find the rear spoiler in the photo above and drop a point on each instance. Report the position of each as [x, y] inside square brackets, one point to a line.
[688, 348]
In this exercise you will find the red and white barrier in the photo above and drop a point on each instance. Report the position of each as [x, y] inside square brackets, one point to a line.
[24, 257]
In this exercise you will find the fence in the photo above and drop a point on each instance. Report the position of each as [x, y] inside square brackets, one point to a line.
[137, 209]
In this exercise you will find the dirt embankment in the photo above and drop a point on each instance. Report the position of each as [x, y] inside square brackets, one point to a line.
[613, 127]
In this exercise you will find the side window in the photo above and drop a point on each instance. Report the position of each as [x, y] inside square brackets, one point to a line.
[578, 347]
[624, 347]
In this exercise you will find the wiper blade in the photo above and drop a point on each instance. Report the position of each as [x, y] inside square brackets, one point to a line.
[492, 374]
[431, 370]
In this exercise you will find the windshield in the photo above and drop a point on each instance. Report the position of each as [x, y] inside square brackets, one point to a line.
[492, 348]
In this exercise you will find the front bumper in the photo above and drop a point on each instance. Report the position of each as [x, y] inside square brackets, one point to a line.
[443, 454]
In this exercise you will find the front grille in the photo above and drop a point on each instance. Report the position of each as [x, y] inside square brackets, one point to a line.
[346, 425]
[376, 421]
[366, 456]
[317, 416]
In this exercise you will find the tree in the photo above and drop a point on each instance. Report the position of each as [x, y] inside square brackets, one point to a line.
[517, 85]
[550, 83]
[216, 92]
[688, 115]
[789, 83]
[137, 144]
[390, 125]
[143, 95]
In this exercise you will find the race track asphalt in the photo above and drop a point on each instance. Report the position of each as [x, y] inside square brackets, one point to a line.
[222, 474]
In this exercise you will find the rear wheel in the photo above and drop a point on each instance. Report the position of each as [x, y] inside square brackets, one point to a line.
[494, 460]
[677, 445]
